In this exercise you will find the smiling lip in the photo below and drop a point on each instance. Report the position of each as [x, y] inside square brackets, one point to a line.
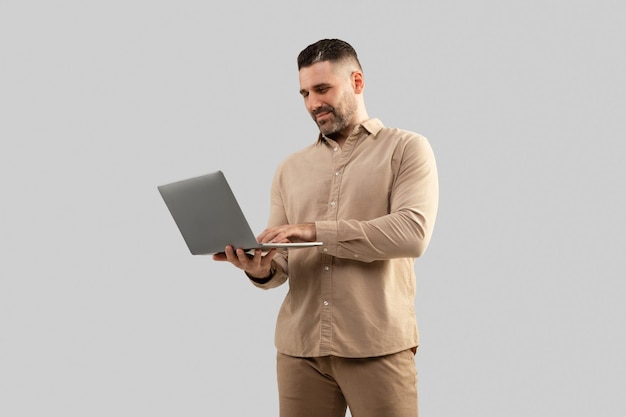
[322, 115]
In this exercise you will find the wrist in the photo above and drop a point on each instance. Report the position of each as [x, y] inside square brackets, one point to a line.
[263, 277]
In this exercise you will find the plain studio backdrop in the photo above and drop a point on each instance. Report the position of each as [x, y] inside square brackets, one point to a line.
[104, 312]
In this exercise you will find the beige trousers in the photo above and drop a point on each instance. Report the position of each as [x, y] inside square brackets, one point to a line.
[384, 386]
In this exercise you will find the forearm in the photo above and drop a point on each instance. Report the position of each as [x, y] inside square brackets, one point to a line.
[403, 234]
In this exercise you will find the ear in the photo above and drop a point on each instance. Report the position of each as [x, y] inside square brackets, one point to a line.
[358, 84]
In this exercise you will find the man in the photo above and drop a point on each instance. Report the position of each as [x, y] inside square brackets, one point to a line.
[346, 332]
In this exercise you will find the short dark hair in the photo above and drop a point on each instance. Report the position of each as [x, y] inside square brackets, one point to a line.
[334, 50]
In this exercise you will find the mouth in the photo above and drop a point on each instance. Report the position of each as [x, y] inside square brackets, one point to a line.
[322, 114]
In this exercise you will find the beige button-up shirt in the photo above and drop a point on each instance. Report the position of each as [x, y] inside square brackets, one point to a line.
[374, 203]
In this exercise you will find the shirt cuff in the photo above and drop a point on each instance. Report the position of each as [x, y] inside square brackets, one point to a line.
[327, 233]
[265, 280]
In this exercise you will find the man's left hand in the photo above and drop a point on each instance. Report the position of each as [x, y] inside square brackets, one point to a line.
[304, 232]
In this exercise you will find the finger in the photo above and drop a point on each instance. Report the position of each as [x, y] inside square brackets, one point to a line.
[220, 256]
[284, 238]
[261, 236]
[243, 257]
[231, 256]
[266, 236]
[258, 256]
[283, 235]
[269, 235]
[267, 258]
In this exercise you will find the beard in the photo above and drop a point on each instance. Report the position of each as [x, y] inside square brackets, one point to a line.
[341, 116]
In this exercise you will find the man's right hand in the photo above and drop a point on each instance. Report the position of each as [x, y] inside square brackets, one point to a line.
[257, 265]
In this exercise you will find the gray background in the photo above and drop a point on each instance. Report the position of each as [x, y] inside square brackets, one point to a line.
[103, 312]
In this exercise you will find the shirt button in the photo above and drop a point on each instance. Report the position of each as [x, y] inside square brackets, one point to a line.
[326, 268]
[333, 204]
[337, 173]
[326, 302]
[325, 249]
[335, 149]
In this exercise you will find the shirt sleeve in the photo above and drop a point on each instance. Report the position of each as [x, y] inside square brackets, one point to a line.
[406, 230]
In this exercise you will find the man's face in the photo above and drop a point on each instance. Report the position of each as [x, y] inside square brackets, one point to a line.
[328, 96]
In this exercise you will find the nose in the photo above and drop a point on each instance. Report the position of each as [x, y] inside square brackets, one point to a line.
[314, 102]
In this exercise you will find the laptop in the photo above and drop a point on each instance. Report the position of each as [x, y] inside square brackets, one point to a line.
[209, 217]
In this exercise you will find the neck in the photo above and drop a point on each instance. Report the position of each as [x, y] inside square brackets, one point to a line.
[341, 136]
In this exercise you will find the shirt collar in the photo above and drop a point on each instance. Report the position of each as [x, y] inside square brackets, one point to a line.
[373, 126]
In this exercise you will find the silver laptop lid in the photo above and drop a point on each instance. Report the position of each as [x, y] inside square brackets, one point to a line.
[207, 214]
